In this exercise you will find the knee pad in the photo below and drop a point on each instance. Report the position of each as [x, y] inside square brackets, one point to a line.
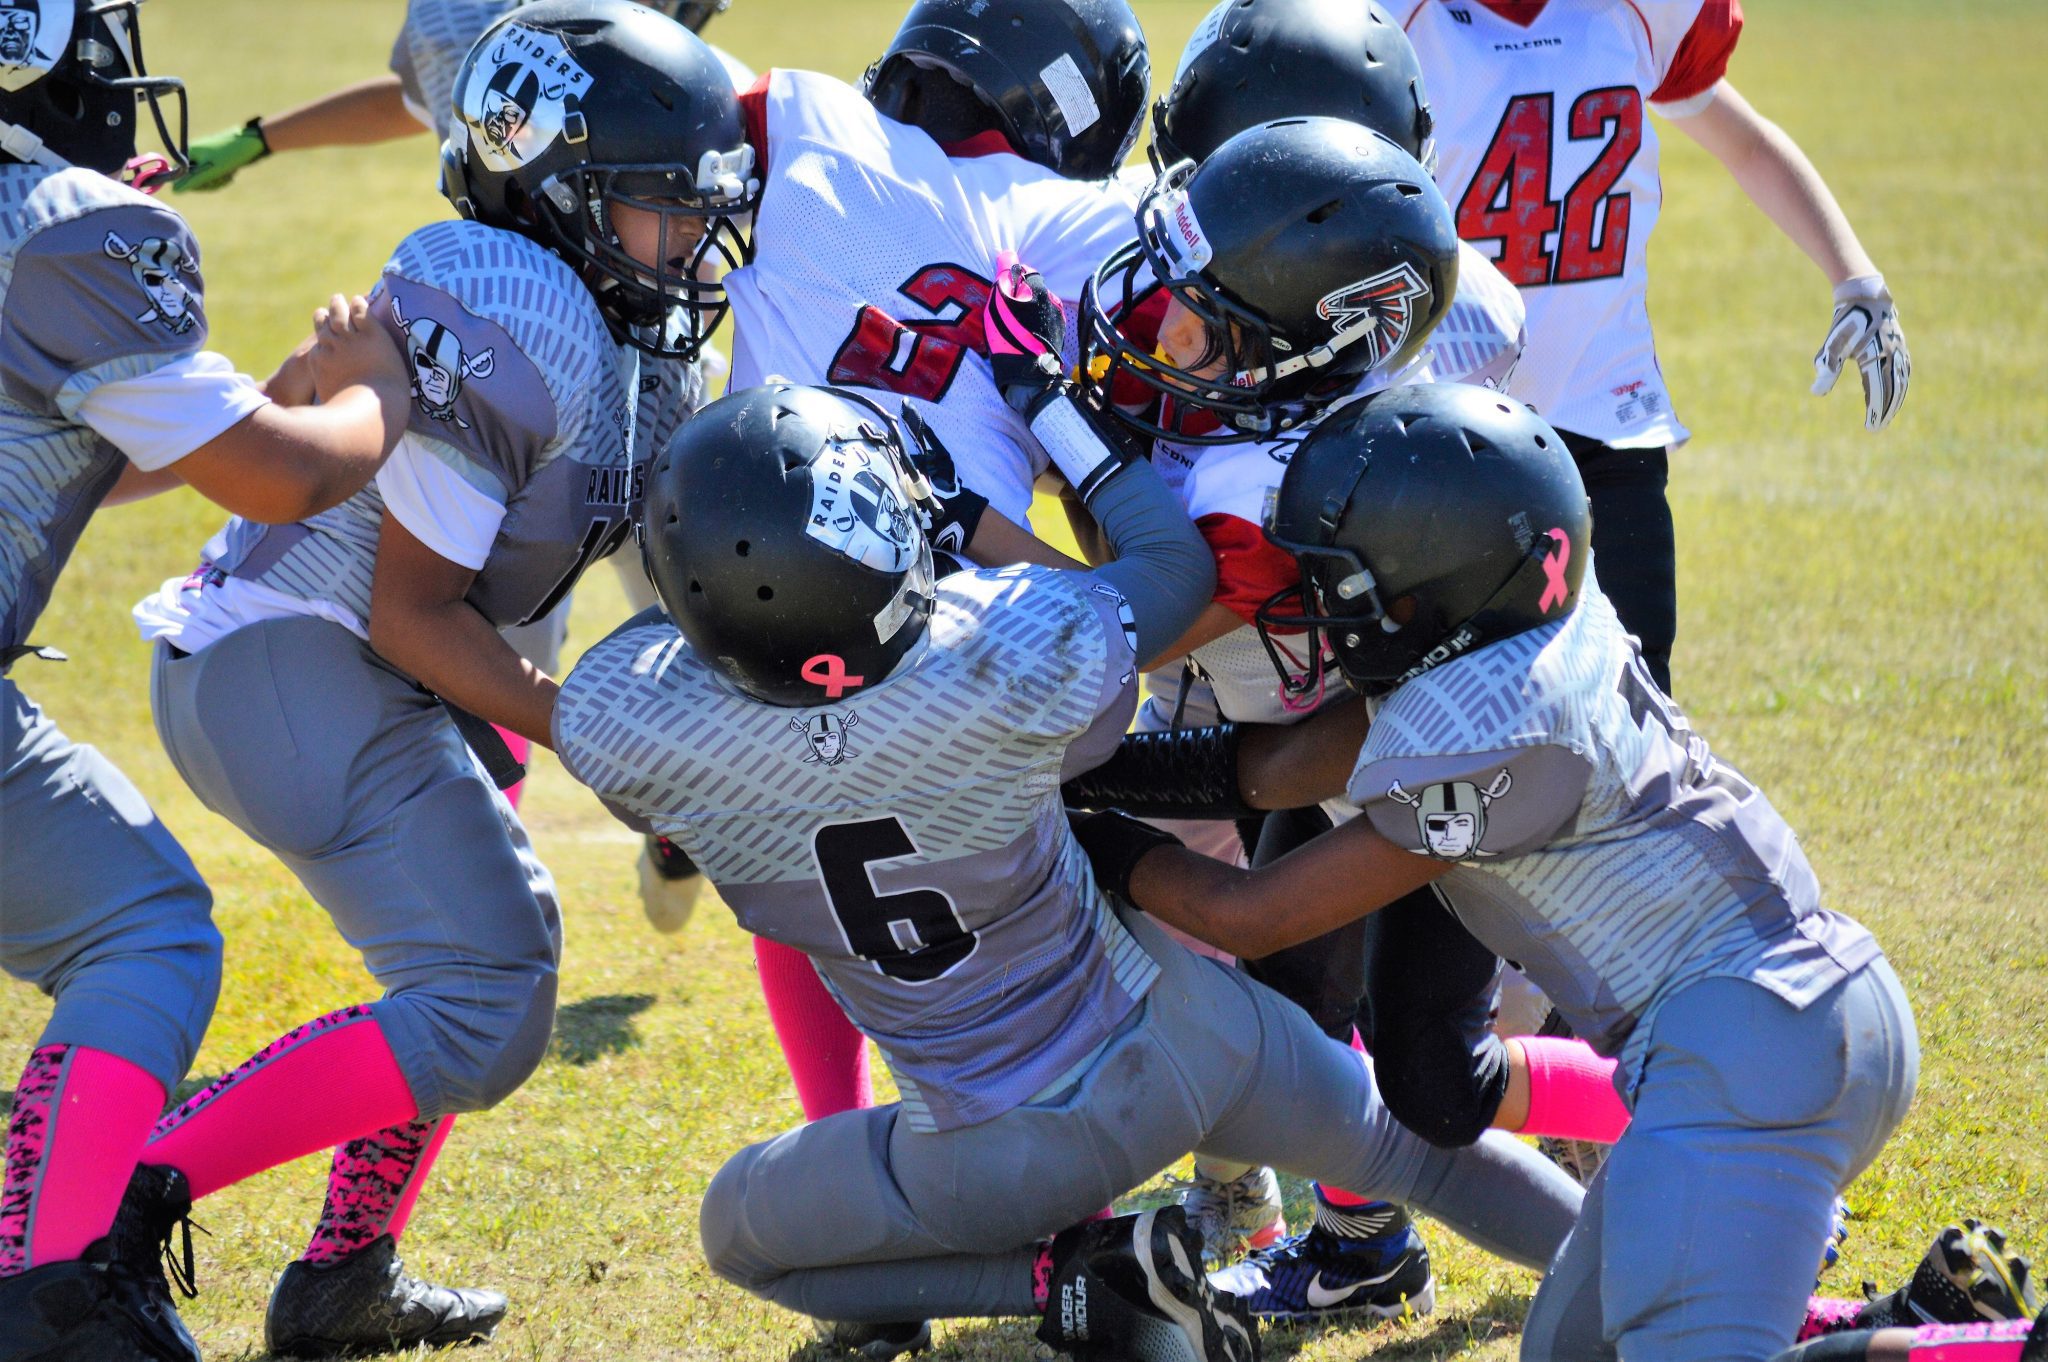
[721, 1227]
[523, 1044]
[1444, 1092]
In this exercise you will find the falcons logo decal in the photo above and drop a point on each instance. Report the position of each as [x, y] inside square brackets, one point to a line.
[1377, 312]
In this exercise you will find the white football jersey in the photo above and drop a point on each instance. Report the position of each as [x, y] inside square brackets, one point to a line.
[1551, 168]
[873, 255]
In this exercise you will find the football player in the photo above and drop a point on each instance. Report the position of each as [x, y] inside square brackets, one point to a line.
[419, 93]
[1552, 168]
[1252, 351]
[108, 391]
[1520, 757]
[989, 125]
[865, 761]
[297, 671]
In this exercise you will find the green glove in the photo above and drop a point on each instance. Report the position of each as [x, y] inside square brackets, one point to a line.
[215, 159]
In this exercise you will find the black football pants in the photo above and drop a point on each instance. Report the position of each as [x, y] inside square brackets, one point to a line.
[1633, 542]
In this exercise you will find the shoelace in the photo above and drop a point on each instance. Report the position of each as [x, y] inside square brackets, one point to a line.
[183, 1273]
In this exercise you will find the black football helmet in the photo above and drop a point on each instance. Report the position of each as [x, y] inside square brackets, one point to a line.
[1252, 61]
[1312, 249]
[1428, 521]
[1066, 80]
[784, 529]
[71, 75]
[568, 109]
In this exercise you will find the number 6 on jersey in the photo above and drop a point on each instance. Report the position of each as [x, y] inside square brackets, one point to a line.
[913, 935]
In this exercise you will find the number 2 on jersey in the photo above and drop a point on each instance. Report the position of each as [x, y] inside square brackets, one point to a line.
[917, 358]
[1509, 198]
[913, 935]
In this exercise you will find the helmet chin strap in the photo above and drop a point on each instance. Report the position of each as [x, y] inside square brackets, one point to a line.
[27, 148]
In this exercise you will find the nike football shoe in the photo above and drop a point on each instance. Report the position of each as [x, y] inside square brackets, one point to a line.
[1967, 1276]
[1329, 1274]
[1233, 1215]
[1132, 1289]
[366, 1303]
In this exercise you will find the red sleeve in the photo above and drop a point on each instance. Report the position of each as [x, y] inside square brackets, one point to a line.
[1141, 329]
[1248, 568]
[754, 112]
[1702, 56]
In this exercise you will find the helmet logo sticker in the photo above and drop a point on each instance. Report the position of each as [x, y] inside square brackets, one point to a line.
[520, 95]
[1179, 234]
[1556, 590]
[1201, 39]
[859, 506]
[1069, 89]
[439, 364]
[828, 672]
[1378, 312]
[825, 735]
[1450, 815]
[30, 41]
[156, 262]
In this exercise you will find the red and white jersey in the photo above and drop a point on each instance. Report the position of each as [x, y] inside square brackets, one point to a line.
[1551, 168]
[873, 255]
[1225, 488]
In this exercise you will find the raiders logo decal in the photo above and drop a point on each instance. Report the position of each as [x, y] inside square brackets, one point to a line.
[156, 262]
[31, 42]
[1377, 313]
[523, 93]
[825, 735]
[1450, 816]
[439, 365]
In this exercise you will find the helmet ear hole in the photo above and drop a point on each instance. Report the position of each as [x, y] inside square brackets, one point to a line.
[766, 593]
[742, 548]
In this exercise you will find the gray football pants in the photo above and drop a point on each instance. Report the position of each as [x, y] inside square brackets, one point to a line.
[857, 1217]
[99, 906]
[296, 732]
[1702, 1230]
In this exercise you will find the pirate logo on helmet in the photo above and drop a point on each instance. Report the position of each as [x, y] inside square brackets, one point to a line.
[523, 92]
[1451, 815]
[30, 41]
[157, 262]
[859, 504]
[439, 365]
[826, 735]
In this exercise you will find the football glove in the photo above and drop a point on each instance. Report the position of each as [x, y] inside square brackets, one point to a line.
[1025, 327]
[1866, 329]
[1114, 843]
[215, 159]
[959, 506]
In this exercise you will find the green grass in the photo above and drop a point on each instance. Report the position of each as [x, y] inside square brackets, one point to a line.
[1863, 631]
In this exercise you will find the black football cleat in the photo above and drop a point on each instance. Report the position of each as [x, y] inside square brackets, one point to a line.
[1132, 1289]
[91, 1309]
[1967, 1277]
[151, 1240]
[875, 1342]
[366, 1303]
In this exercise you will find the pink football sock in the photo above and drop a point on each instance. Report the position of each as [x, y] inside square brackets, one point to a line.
[1827, 1315]
[521, 748]
[80, 1119]
[372, 1187]
[331, 1080]
[826, 1053]
[2003, 1341]
[1571, 1091]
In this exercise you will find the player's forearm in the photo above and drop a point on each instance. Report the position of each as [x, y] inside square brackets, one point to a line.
[280, 464]
[1782, 182]
[1290, 766]
[373, 111]
[453, 651]
[1161, 565]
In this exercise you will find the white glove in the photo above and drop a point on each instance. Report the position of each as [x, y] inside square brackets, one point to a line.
[1866, 328]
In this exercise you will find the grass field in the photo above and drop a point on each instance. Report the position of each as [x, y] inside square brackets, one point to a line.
[1865, 630]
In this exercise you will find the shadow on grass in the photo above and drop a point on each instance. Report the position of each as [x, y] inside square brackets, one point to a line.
[1449, 1335]
[586, 1032]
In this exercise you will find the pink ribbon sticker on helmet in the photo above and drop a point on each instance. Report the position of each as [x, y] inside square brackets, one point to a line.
[1556, 591]
[828, 670]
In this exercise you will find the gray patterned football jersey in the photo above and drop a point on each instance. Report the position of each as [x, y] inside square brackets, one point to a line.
[519, 388]
[908, 837]
[97, 284]
[1598, 842]
[429, 51]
